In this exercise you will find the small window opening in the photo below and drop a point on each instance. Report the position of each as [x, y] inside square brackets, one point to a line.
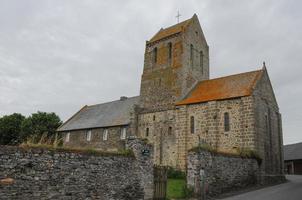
[123, 133]
[169, 50]
[192, 124]
[191, 55]
[170, 131]
[67, 139]
[201, 61]
[147, 132]
[155, 55]
[105, 135]
[226, 122]
[88, 135]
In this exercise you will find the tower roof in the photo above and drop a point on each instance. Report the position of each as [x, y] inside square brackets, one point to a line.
[238, 85]
[165, 32]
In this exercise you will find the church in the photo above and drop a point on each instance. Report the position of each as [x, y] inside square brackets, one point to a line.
[179, 107]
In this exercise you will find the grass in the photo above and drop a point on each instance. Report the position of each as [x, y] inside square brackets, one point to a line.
[55, 145]
[241, 152]
[176, 188]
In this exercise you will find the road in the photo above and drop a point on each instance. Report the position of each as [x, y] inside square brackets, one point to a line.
[292, 190]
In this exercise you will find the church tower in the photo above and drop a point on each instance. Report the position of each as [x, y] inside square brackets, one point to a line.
[176, 58]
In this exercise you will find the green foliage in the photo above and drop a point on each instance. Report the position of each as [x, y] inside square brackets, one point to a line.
[39, 127]
[204, 147]
[10, 129]
[175, 188]
[248, 153]
[40, 124]
[175, 174]
[241, 152]
[188, 191]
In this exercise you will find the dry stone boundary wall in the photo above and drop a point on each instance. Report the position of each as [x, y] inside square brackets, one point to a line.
[44, 174]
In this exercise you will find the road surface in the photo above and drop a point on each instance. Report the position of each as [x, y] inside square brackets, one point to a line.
[292, 190]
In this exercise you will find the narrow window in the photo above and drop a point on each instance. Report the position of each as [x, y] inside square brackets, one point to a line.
[155, 55]
[191, 55]
[88, 135]
[192, 124]
[153, 117]
[170, 131]
[67, 139]
[169, 50]
[147, 132]
[105, 135]
[123, 133]
[201, 61]
[226, 122]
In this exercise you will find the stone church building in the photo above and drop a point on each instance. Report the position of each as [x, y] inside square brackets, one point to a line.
[180, 107]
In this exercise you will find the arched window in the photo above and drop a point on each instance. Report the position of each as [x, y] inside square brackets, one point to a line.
[155, 55]
[201, 61]
[170, 131]
[191, 55]
[192, 124]
[226, 122]
[147, 132]
[169, 50]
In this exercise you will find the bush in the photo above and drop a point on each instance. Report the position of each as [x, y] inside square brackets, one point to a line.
[175, 174]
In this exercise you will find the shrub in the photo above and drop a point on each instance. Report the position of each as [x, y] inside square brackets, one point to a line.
[175, 174]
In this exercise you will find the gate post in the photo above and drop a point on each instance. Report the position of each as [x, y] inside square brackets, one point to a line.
[202, 178]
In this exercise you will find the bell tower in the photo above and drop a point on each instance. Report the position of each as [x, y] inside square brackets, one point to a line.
[176, 58]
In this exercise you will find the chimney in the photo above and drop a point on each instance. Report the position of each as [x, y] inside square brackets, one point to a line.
[123, 98]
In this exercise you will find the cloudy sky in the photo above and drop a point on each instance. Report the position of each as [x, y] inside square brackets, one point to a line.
[58, 55]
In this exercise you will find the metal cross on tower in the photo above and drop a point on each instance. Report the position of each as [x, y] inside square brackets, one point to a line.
[178, 16]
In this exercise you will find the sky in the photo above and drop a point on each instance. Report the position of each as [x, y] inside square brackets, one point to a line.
[59, 55]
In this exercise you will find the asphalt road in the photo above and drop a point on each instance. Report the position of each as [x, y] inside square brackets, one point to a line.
[292, 190]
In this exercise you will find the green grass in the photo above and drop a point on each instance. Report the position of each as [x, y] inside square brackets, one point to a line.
[175, 188]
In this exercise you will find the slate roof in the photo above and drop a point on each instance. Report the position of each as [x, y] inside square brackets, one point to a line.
[227, 87]
[293, 151]
[115, 113]
[177, 28]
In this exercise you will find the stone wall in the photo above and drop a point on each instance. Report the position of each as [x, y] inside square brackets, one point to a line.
[113, 143]
[268, 127]
[222, 173]
[44, 174]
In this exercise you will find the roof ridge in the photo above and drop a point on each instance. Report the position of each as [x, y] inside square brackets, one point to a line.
[293, 144]
[112, 101]
[259, 70]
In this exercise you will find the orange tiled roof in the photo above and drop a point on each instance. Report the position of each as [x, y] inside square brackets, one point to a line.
[177, 28]
[228, 87]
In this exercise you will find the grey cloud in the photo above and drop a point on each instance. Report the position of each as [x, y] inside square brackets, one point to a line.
[58, 55]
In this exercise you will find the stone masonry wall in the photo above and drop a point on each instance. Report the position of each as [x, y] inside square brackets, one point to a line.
[43, 174]
[222, 173]
[209, 126]
[268, 125]
[113, 143]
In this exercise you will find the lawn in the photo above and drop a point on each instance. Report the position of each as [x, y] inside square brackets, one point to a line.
[175, 188]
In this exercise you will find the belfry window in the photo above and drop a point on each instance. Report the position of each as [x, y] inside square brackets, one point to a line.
[201, 61]
[191, 55]
[226, 122]
[192, 124]
[155, 55]
[169, 50]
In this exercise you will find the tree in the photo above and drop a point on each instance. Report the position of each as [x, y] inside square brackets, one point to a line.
[10, 128]
[40, 124]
